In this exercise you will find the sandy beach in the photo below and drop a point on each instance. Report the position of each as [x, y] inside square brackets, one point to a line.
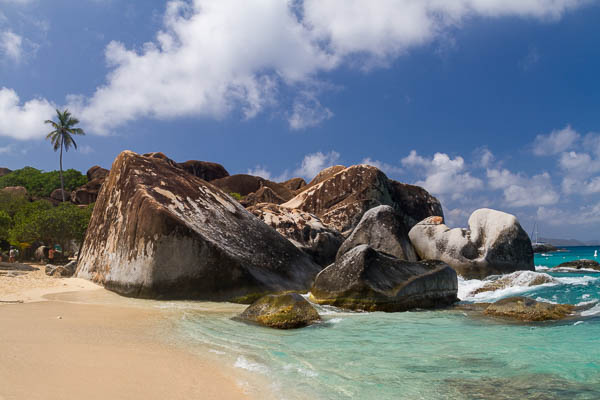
[57, 341]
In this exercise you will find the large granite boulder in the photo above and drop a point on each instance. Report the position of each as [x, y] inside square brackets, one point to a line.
[208, 171]
[340, 197]
[88, 193]
[15, 191]
[59, 195]
[529, 310]
[97, 172]
[294, 184]
[382, 229]
[495, 244]
[285, 311]
[246, 184]
[156, 233]
[4, 171]
[263, 195]
[304, 230]
[365, 279]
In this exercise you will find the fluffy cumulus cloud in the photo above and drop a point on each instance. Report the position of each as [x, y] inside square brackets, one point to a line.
[311, 165]
[11, 46]
[213, 57]
[520, 190]
[443, 175]
[389, 169]
[23, 121]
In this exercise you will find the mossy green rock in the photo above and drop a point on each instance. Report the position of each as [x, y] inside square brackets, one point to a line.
[285, 311]
[526, 309]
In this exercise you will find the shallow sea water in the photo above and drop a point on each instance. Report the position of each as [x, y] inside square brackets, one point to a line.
[416, 355]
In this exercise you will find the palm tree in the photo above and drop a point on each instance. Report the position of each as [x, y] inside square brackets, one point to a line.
[61, 138]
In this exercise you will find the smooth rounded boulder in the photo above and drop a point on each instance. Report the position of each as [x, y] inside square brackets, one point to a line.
[365, 279]
[382, 229]
[284, 311]
[495, 244]
[158, 233]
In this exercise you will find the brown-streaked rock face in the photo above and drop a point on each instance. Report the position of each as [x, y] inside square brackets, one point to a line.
[88, 193]
[494, 244]
[340, 197]
[263, 195]
[156, 233]
[4, 171]
[97, 172]
[304, 230]
[209, 171]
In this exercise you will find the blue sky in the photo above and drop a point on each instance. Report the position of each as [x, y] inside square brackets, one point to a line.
[486, 103]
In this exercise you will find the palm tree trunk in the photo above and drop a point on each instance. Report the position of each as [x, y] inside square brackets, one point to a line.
[62, 182]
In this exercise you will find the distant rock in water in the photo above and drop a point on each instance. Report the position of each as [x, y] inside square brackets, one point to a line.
[304, 230]
[340, 196]
[382, 229]
[542, 247]
[4, 171]
[209, 171]
[579, 264]
[286, 311]
[529, 310]
[157, 233]
[365, 279]
[495, 244]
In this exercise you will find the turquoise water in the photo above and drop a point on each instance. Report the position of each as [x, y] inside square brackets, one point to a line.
[419, 355]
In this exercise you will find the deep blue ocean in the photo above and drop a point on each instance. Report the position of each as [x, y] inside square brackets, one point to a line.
[421, 354]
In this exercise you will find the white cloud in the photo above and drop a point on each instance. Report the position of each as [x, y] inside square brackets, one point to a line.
[24, 121]
[261, 171]
[442, 174]
[520, 190]
[388, 169]
[314, 163]
[582, 216]
[555, 142]
[213, 57]
[11, 45]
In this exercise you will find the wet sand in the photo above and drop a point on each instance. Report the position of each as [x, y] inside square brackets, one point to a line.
[57, 346]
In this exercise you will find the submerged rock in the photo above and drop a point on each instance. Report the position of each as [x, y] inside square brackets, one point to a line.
[365, 279]
[382, 229]
[158, 233]
[516, 279]
[495, 244]
[529, 310]
[340, 196]
[304, 230]
[579, 264]
[285, 311]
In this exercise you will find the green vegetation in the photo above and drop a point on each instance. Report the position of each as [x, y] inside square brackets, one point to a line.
[41, 184]
[61, 138]
[236, 196]
[23, 222]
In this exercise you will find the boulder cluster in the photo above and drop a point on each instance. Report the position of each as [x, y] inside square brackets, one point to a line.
[352, 237]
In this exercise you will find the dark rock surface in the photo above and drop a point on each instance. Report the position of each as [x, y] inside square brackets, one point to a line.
[263, 195]
[542, 247]
[526, 309]
[341, 198]
[364, 279]
[209, 171]
[579, 264]
[294, 184]
[4, 171]
[57, 195]
[285, 311]
[495, 244]
[247, 184]
[382, 229]
[97, 172]
[88, 193]
[304, 230]
[156, 233]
